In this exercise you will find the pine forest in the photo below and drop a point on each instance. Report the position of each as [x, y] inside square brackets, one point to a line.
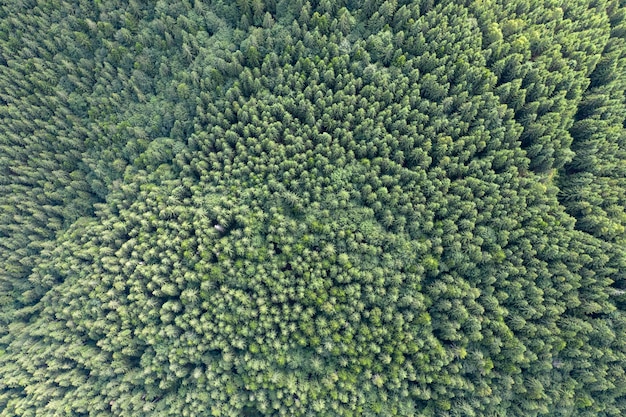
[312, 208]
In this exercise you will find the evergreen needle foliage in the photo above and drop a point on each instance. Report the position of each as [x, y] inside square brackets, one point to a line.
[313, 208]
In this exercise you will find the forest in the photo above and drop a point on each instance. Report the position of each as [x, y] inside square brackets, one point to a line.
[312, 208]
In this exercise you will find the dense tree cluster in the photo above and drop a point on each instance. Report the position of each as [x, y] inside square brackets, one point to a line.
[342, 208]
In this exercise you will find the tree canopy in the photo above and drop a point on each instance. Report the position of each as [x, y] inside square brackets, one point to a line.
[313, 208]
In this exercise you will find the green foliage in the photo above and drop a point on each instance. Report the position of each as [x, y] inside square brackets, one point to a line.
[250, 208]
